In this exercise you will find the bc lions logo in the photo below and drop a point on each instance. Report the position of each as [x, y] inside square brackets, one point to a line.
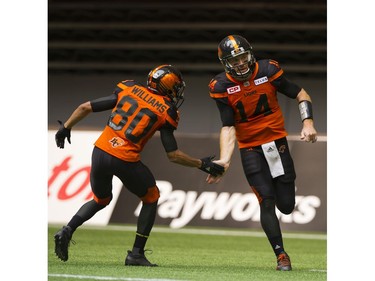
[116, 141]
[282, 148]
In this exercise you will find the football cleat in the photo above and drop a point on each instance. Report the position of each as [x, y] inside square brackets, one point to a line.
[283, 262]
[138, 260]
[62, 242]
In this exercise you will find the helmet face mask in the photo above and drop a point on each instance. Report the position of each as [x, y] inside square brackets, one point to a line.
[166, 80]
[236, 55]
[239, 63]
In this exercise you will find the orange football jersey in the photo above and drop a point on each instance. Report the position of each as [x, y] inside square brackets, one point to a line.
[258, 116]
[138, 114]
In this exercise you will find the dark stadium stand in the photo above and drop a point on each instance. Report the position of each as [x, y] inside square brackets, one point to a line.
[129, 36]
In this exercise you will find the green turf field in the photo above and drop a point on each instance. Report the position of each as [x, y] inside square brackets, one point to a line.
[187, 254]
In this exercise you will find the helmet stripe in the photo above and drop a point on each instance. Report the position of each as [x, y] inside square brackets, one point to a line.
[234, 43]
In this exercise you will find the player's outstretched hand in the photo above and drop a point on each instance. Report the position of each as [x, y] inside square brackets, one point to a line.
[61, 134]
[210, 167]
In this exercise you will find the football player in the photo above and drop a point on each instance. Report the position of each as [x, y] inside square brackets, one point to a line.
[246, 97]
[137, 113]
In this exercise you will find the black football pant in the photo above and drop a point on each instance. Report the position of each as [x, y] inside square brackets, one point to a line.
[271, 192]
[135, 176]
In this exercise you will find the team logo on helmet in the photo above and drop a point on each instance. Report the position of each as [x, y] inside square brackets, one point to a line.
[158, 73]
[229, 49]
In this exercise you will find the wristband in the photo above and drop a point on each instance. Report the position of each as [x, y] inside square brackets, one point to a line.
[305, 109]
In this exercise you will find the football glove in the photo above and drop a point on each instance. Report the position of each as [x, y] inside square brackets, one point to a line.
[61, 134]
[210, 167]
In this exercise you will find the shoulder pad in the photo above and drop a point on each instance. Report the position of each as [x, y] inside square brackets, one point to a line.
[269, 68]
[126, 83]
[129, 83]
[220, 83]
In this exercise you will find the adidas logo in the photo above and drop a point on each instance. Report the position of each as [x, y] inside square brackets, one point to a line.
[277, 247]
[270, 149]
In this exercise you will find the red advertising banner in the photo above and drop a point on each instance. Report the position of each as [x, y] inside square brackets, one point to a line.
[186, 199]
[69, 179]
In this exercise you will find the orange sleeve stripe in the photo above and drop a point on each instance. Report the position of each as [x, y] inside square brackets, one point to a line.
[218, 95]
[172, 121]
[231, 78]
[122, 86]
[277, 75]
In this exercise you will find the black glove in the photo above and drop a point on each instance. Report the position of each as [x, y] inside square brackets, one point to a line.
[61, 134]
[210, 167]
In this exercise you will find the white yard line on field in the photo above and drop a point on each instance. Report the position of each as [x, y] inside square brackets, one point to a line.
[203, 231]
[318, 270]
[107, 278]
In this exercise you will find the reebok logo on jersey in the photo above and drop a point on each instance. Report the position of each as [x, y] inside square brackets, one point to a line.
[234, 89]
[261, 80]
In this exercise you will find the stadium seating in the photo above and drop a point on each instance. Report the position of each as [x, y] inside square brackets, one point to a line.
[111, 36]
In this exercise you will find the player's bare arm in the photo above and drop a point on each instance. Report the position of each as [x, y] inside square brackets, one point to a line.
[80, 113]
[227, 144]
[180, 157]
